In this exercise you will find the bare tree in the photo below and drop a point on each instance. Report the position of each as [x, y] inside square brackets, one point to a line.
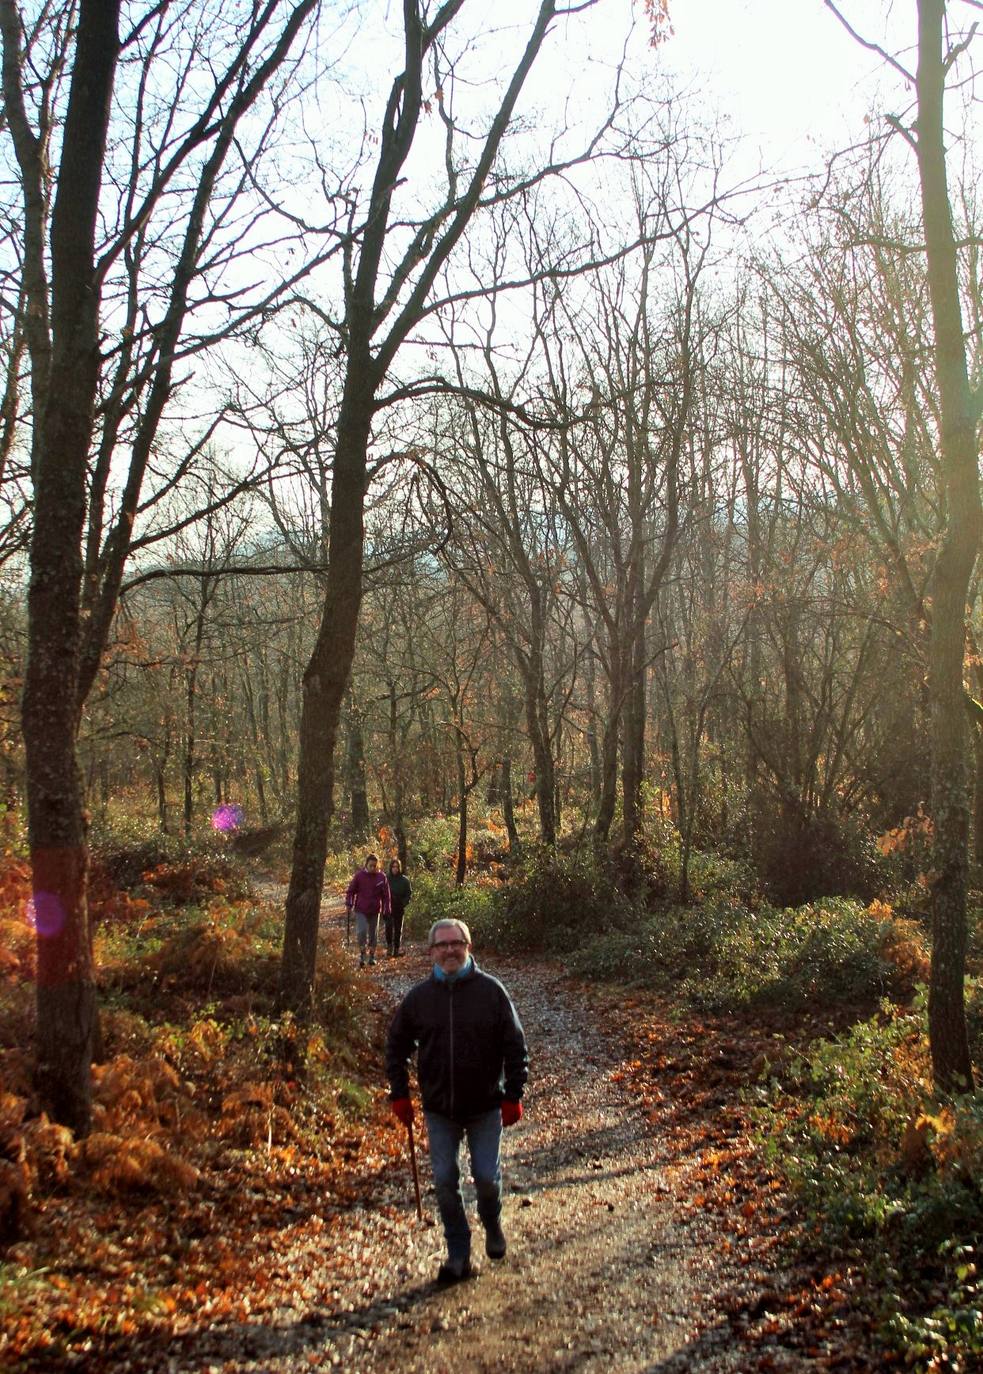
[960, 405]
[626, 382]
[391, 272]
[83, 389]
[508, 547]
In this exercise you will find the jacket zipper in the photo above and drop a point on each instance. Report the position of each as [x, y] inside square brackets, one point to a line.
[450, 993]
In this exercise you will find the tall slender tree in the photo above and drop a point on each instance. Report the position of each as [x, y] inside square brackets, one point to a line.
[389, 288]
[960, 407]
[162, 258]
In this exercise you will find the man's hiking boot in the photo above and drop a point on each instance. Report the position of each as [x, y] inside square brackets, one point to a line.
[371, 958]
[495, 1246]
[361, 961]
[453, 1271]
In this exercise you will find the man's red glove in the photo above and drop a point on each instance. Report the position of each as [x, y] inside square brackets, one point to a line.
[511, 1112]
[402, 1108]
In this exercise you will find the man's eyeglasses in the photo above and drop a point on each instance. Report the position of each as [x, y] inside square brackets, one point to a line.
[449, 944]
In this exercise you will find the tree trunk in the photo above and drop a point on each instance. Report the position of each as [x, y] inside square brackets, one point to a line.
[325, 681]
[951, 1061]
[460, 872]
[260, 784]
[633, 747]
[161, 790]
[188, 760]
[493, 797]
[65, 985]
[978, 799]
[609, 750]
[537, 724]
[357, 790]
[397, 746]
[679, 812]
[609, 777]
[328, 671]
[508, 809]
[593, 744]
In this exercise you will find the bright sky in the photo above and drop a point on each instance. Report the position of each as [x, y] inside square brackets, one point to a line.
[786, 71]
[783, 72]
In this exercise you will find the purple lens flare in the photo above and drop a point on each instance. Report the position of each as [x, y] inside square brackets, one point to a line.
[46, 913]
[227, 817]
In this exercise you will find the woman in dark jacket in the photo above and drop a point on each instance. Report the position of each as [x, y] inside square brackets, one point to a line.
[400, 893]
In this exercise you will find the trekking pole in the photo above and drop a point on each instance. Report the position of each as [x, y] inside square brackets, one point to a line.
[348, 927]
[416, 1172]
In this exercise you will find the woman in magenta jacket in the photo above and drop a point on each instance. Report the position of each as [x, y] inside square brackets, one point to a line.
[367, 896]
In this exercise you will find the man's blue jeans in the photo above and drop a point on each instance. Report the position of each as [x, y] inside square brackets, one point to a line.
[484, 1137]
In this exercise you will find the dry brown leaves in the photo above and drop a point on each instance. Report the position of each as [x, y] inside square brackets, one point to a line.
[206, 1189]
[690, 1074]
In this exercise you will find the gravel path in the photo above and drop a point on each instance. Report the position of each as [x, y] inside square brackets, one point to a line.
[605, 1269]
[599, 1272]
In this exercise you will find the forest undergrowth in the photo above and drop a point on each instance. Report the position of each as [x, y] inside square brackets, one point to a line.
[780, 1055]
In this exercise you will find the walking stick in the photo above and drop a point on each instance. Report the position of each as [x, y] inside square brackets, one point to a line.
[416, 1172]
[348, 927]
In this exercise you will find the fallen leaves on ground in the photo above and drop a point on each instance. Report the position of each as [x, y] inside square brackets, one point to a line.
[690, 1074]
[217, 1189]
[211, 1189]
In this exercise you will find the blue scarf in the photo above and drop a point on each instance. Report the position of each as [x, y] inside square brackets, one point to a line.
[443, 977]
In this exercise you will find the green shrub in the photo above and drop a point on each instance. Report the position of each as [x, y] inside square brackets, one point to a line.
[726, 954]
[663, 947]
[800, 855]
[432, 844]
[883, 1168]
[125, 859]
[714, 876]
[658, 855]
[700, 942]
[831, 950]
[911, 901]
[488, 845]
[176, 868]
[952, 1333]
[836, 1123]
[436, 897]
[555, 902]
[624, 956]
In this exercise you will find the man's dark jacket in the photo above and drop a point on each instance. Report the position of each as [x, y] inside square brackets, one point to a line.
[471, 1049]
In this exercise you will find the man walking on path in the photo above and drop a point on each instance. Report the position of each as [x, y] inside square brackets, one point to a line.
[471, 1066]
[367, 895]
